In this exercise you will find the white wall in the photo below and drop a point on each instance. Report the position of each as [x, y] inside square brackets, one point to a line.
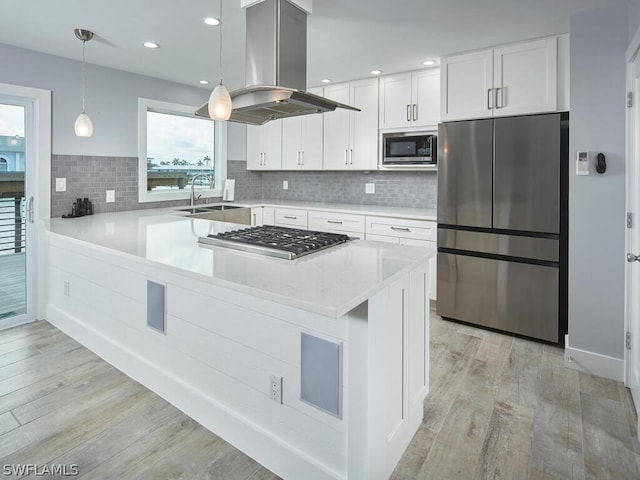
[599, 40]
[111, 99]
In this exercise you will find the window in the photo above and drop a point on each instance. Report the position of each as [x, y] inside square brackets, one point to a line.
[174, 147]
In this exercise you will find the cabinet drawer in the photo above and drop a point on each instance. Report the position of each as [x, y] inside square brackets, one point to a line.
[331, 221]
[397, 227]
[291, 217]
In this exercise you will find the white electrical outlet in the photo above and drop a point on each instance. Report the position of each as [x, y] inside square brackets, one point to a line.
[285, 184]
[61, 184]
[275, 388]
[369, 188]
[67, 287]
[111, 196]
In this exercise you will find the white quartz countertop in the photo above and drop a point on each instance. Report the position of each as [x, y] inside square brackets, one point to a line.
[382, 211]
[330, 282]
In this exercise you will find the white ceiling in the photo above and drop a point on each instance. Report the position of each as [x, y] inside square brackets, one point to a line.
[346, 38]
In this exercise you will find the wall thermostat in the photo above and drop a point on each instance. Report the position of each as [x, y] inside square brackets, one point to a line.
[582, 163]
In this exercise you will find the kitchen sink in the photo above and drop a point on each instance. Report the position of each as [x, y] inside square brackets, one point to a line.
[208, 208]
[220, 213]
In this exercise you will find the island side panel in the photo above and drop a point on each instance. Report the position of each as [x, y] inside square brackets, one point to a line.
[213, 361]
[397, 356]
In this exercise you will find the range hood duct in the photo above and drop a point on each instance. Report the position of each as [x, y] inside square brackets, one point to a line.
[276, 68]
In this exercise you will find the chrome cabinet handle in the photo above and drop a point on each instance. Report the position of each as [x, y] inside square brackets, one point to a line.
[401, 229]
[499, 97]
[298, 158]
[28, 208]
[339, 222]
[264, 159]
[290, 217]
[633, 258]
[415, 112]
[408, 113]
[346, 154]
[351, 157]
[302, 158]
[489, 105]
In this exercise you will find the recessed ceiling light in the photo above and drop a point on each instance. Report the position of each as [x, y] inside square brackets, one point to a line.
[151, 45]
[204, 82]
[376, 72]
[428, 63]
[326, 80]
[211, 21]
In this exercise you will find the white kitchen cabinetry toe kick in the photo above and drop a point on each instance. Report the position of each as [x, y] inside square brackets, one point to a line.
[209, 329]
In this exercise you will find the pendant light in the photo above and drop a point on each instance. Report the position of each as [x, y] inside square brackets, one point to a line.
[83, 125]
[220, 100]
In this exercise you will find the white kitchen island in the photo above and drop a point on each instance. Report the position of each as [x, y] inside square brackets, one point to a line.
[346, 329]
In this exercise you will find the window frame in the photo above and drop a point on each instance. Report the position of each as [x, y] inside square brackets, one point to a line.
[219, 152]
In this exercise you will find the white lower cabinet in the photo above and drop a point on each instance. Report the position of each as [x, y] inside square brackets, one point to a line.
[257, 217]
[417, 233]
[290, 217]
[333, 222]
[268, 216]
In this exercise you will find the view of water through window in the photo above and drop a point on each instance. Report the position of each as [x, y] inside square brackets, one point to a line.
[178, 148]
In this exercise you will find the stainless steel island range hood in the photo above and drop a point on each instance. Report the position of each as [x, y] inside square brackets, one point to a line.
[276, 68]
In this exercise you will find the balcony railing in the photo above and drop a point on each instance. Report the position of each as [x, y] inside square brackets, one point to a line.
[12, 225]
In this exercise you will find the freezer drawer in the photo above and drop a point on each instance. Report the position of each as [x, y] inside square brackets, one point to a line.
[544, 249]
[514, 297]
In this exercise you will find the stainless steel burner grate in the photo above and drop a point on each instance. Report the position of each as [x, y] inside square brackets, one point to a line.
[281, 242]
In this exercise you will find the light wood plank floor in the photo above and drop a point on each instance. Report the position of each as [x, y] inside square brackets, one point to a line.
[12, 284]
[499, 407]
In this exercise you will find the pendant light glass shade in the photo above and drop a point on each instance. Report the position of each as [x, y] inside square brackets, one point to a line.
[83, 126]
[220, 103]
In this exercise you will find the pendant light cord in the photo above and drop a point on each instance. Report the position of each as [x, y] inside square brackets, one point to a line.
[83, 42]
[220, 53]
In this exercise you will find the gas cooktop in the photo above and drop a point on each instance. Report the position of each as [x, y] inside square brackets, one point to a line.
[281, 242]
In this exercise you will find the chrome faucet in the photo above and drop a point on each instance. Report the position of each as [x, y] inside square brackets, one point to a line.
[192, 198]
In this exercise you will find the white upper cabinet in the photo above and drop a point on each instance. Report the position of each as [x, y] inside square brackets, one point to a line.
[264, 146]
[410, 99]
[467, 84]
[351, 138]
[509, 80]
[302, 142]
[525, 77]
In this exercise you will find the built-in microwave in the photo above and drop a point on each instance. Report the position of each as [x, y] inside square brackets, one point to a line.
[409, 149]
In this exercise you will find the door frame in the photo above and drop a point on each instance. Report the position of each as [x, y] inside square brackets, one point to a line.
[38, 147]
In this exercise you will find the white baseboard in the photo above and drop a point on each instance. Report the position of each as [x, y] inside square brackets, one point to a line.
[593, 363]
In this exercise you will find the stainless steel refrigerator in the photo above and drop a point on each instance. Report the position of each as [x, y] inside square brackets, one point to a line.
[503, 224]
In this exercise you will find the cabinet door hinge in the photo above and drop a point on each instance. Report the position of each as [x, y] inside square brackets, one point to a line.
[629, 99]
[628, 341]
[629, 219]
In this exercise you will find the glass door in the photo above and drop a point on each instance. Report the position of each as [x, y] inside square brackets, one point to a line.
[14, 210]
